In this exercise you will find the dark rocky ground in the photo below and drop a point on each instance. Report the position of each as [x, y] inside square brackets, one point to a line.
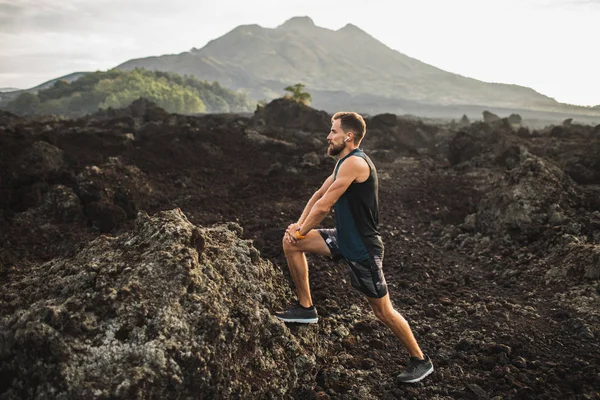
[492, 237]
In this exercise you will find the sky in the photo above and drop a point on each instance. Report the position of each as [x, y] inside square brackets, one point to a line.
[548, 45]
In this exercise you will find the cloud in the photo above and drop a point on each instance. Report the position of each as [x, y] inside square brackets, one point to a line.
[581, 2]
[568, 4]
[27, 16]
[83, 16]
[46, 63]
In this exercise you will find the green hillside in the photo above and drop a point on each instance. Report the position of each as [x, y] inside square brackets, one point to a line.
[117, 88]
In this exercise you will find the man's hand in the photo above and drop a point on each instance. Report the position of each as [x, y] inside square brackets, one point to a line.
[290, 233]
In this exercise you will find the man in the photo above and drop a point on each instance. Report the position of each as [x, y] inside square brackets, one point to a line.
[352, 191]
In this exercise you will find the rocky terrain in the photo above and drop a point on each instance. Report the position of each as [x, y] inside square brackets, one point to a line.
[140, 257]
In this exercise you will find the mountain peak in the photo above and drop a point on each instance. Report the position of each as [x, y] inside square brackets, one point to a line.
[351, 28]
[297, 22]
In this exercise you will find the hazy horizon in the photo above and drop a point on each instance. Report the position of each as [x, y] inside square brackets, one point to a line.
[542, 44]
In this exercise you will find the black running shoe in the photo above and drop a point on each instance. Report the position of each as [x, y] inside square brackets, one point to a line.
[299, 314]
[416, 370]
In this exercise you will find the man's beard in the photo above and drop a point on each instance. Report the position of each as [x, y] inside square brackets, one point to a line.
[334, 150]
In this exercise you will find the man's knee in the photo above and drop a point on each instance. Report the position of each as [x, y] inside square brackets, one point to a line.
[287, 245]
[384, 311]
[379, 311]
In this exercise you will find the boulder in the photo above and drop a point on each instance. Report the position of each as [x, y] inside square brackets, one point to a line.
[382, 121]
[112, 193]
[51, 227]
[169, 310]
[141, 109]
[311, 160]
[515, 120]
[489, 117]
[584, 165]
[286, 113]
[560, 131]
[8, 118]
[579, 261]
[512, 156]
[58, 205]
[521, 204]
[486, 144]
[463, 147]
[581, 173]
[464, 121]
[37, 163]
[571, 131]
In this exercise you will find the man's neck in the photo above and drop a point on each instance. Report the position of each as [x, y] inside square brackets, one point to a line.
[346, 151]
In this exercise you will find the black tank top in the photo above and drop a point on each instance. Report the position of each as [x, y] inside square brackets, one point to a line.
[357, 216]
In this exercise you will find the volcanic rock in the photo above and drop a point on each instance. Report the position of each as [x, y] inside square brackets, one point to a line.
[489, 117]
[577, 261]
[287, 113]
[475, 392]
[512, 156]
[39, 161]
[59, 204]
[167, 310]
[141, 108]
[520, 205]
[464, 147]
[8, 118]
[382, 121]
[160, 311]
[464, 121]
[515, 120]
[390, 137]
[584, 168]
[112, 193]
[571, 131]
[482, 144]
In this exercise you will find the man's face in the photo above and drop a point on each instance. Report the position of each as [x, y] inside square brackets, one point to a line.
[335, 139]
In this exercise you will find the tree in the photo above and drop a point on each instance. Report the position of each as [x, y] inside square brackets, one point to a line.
[26, 104]
[298, 94]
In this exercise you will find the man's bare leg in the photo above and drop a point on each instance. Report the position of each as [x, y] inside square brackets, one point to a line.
[384, 310]
[297, 264]
[298, 267]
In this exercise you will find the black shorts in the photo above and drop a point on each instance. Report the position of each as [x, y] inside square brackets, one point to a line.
[366, 276]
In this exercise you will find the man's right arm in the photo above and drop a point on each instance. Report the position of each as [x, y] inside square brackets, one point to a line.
[315, 197]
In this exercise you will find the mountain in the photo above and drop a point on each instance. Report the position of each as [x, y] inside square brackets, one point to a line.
[7, 96]
[345, 67]
[8, 89]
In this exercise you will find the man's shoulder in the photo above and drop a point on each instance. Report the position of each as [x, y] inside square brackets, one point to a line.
[356, 167]
[357, 160]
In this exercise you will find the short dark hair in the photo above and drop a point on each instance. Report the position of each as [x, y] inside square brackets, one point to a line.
[351, 122]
